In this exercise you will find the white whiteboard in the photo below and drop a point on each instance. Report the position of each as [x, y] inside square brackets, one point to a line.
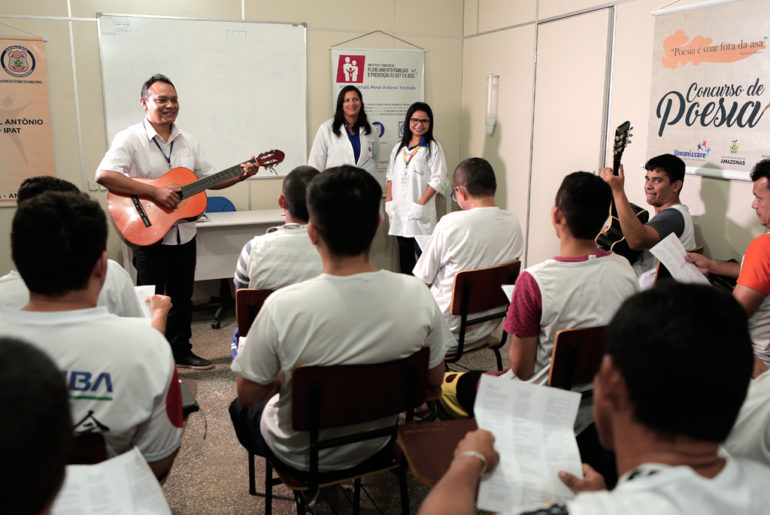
[242, 86]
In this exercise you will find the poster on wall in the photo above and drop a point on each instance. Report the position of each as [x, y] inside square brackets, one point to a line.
[711, 87]
[390, 81]
[26, 146]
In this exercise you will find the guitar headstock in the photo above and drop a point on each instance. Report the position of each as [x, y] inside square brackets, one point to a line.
[622, 139]
[269, 159]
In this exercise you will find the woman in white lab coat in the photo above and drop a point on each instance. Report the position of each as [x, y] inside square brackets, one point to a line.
[416, 170]
[348, 138]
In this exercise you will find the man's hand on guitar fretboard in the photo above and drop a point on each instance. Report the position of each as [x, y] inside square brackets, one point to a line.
[616, 182]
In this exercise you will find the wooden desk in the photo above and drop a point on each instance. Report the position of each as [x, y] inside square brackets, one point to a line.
[220, 240]
[429, 446]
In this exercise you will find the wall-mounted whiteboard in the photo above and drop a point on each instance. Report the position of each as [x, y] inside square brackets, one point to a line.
[242, 86]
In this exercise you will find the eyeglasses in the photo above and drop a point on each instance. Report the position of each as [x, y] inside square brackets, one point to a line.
[423, 121]
[453, 195]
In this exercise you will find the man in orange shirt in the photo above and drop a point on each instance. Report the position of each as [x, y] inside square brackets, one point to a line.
[753, 273]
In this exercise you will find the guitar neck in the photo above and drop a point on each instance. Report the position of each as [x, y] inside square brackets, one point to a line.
[212, 180]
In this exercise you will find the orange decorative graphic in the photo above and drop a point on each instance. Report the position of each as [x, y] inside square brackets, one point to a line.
[680, 50]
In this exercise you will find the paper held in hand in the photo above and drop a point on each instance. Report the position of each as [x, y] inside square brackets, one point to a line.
[123, 484]
[533, 429]
[671, 253]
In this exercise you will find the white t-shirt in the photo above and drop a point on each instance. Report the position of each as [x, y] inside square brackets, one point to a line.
[334, 320]
[134, 153]
[117, 294]
[410, 175]
[467, 240]
[120, 374]
[284, 255]
[750, 436]
[740, 487]
[582, 293]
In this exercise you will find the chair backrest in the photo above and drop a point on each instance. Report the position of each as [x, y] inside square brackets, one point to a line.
[479, 290]
[248, 302]
[577, 354]
[661, 272]
[342, 395]
[219, 205]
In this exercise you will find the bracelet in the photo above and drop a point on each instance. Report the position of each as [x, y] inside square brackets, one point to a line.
[476, 455]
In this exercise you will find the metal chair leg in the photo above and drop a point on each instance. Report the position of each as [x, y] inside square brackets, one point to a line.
[268, 487]
[357, 496]
[404, 490]
[252, 480]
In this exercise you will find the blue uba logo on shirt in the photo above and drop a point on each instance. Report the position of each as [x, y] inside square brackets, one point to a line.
[89, 385]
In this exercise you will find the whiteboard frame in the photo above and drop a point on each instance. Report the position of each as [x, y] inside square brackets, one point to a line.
[303, 25]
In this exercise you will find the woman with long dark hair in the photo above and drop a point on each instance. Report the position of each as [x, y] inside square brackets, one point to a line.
[416, 170]
[346, 139]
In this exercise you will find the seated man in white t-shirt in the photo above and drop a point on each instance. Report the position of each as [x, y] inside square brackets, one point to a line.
[581, 287]
[664, 424]
[284, 254]
[117, 294]
[353, 313]
[480, 236]
[120, 372]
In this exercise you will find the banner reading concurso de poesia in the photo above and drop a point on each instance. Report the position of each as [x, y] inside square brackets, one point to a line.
[711, 87]
[25, 122]
[390, 81]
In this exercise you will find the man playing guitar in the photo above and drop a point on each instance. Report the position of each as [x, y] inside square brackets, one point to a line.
[662, 184]
[148, 150]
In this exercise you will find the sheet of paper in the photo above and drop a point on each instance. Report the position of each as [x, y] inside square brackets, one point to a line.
[671, 253]
[508, 290]
[121, 485]
[533, 429]
[142, 292]
[422, 241]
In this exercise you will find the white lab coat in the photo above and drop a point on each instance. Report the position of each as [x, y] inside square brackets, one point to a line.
[408, 183]
[330, 150]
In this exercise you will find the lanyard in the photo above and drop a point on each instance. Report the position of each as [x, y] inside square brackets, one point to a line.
[170, 149]
[406, 160]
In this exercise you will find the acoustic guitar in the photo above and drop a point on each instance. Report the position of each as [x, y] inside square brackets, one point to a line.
[139, 220]
[612, 239]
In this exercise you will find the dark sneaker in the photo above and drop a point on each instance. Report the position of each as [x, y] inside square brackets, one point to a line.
[190, 360]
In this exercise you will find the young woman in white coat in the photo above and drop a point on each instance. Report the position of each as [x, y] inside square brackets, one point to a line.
[346, 139]
[416, 170]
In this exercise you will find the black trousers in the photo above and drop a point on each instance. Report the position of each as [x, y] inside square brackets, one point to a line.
[171, 268]
[408, 252]
[246, 424]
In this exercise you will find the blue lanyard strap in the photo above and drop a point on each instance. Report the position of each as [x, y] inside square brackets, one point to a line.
[167, 157]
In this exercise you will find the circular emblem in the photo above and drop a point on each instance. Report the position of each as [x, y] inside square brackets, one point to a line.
[17, 61]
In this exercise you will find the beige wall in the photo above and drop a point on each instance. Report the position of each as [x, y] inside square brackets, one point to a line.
[465, 40]
[500, 38]
[74, 72]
